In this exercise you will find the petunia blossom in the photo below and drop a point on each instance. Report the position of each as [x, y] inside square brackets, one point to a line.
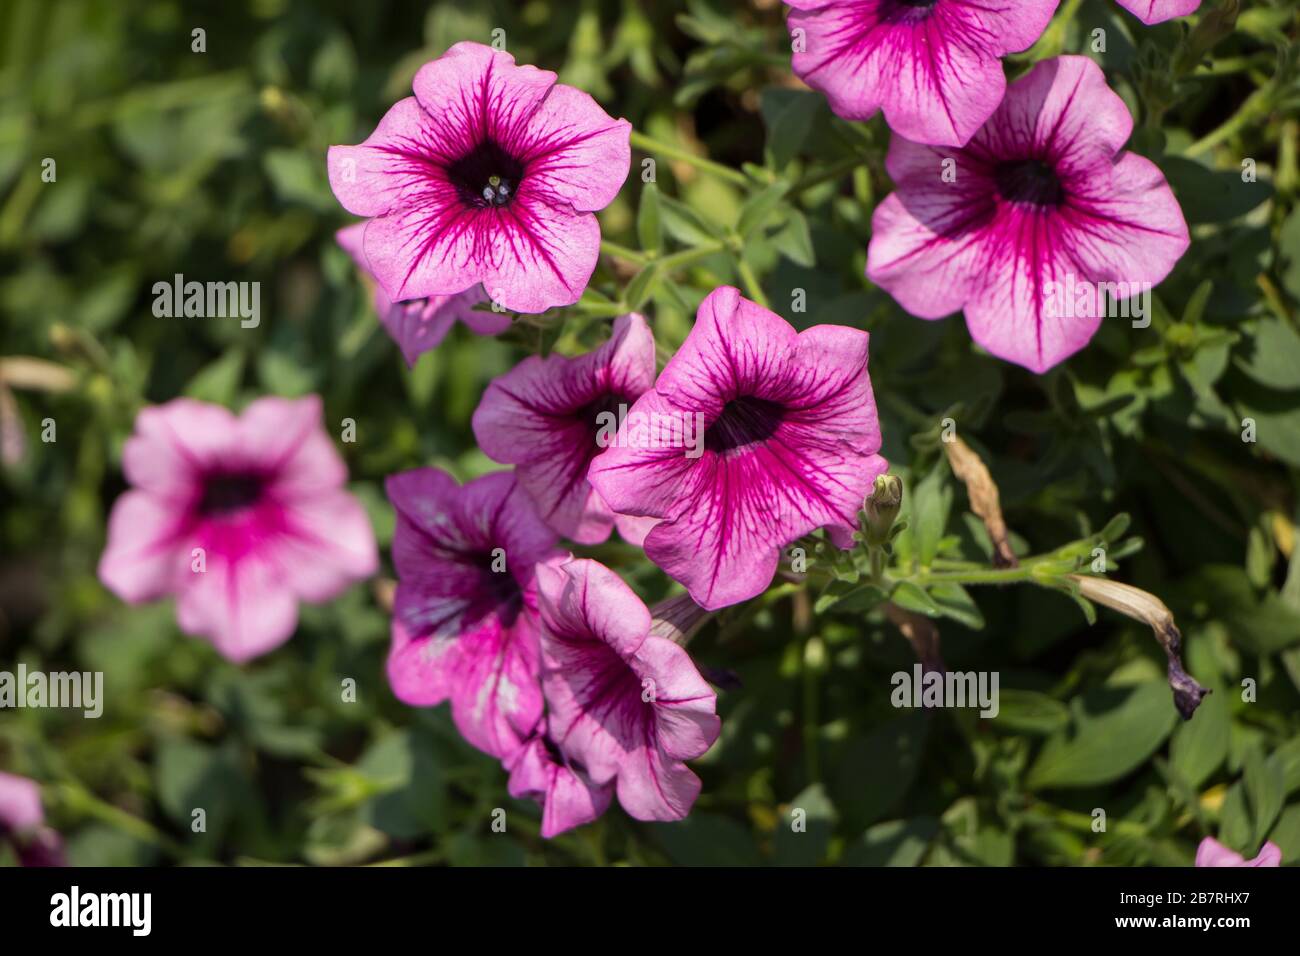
[239, 516]
[1037, 228]
[547, 417]
[790, 444]
[22, 823]
[1213, 853]
[1157, 11]
[420, 325]
[489, 175]
[628, 705]
[567, 795]
[933, 66]
[464, 614]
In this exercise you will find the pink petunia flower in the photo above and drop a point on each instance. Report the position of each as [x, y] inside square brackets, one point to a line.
[1034, 225]
[790, 442]
[489, 175]
[1213, 853]
[568, 796]
[933, 66]
[420, 325]
[464, 615]
[240, 517]
[547, 417]
[1157, 11]
[22, 823]
[628, 705]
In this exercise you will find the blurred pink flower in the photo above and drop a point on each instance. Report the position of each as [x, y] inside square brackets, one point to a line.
[789, 444]
[1213, 853]
[1041, 211]
[22, 822]
[567, 795]
[545, 417]
[239, 517]
[933, 66]
[420, 325]
[464, 615]
[489, 175]
[1157, 11]
[624, 704]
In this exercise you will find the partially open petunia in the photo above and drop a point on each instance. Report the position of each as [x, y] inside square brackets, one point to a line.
[22, 823]
[1038, 228]
[464, 614]
[567, 795]
[490, 175]
[420, 325]
[933, 66]
[549, 417]
[1157, 11]
[786, 441]
[626, 704]
[239, 516]
[1213, 853]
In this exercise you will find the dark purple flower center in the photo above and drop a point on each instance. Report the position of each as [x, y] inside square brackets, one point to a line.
[892, 11]
[499, 591]
[1029, 181]
[226, 493]
[602, 412]
[745, 421]
[487, 176]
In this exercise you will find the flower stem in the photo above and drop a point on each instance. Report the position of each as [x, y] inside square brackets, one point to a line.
[827, 173]
[752, 287]
[623, 252]
[81, 801]
[649, 145]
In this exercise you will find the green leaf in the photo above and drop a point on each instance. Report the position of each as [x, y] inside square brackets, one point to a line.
[1264, 794]
[219, 381]
[804, 833]
[684, 224]
[1274, 356]
[955, 602]
[649, 225]
[1200, 745]
[915, 598]
[707, 839]
[893, 843]
[789, 116]
[1029, 712]
[641, 286]
[1115, 729]
[794, 240]
[756, 210]
[875, 772]
[1286, 834]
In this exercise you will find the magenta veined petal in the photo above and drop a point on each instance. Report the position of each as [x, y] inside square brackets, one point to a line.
[464, 615]
[1041, 222]
[624, 705]
[420, 325]
[489, 176]
[753, 436]
[934, 68]
[547, 415]
[568, 796]
[1157, 11]
[239, 517]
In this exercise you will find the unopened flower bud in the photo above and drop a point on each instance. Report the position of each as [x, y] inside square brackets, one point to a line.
[881, 508]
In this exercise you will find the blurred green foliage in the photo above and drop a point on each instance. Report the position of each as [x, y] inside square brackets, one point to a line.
[212, 165]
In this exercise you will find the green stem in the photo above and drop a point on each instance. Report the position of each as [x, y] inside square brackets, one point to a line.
[750, 281]
[623, 252]
[81, 801]
[649, 145]
[1252, 109]
[688, 256]
[827, 173]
